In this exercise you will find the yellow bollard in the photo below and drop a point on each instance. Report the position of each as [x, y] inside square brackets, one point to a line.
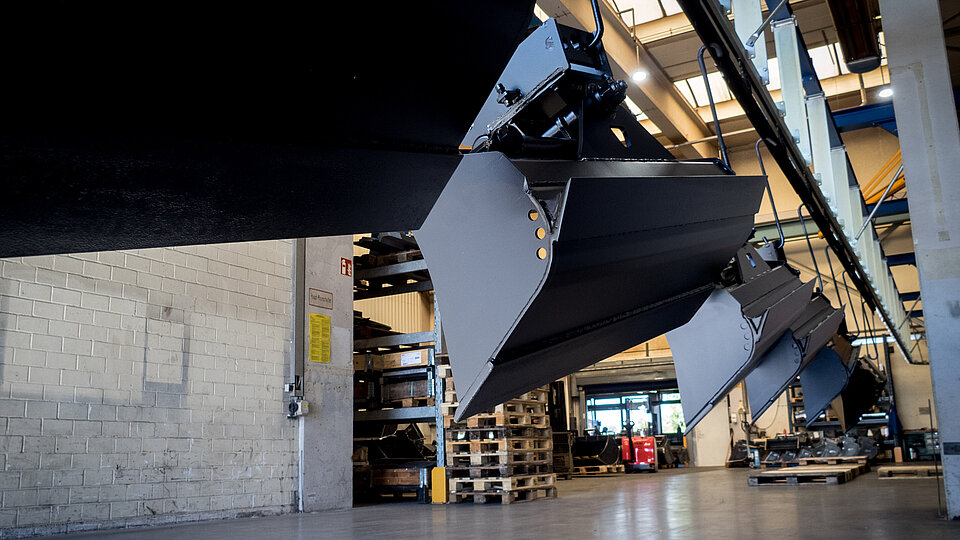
[438, 485]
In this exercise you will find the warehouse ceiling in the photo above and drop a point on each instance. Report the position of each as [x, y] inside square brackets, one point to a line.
[667, 54]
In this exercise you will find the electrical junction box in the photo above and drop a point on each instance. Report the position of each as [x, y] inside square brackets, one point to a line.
[297, 407]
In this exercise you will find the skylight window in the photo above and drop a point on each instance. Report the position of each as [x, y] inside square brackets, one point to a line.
[645, 11]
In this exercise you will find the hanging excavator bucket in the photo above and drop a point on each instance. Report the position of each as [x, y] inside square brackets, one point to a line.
[822, 382]
[826, 376]
[862, 392]
[542, 268]
[733, 329]
[809, 333]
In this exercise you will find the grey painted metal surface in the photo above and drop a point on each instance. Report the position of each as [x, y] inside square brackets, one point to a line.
[822, 381]
[809, 332]
[538, 62]
[403, 414]
[414, 338]
[728, 336]
[514, 321]
[773, 374]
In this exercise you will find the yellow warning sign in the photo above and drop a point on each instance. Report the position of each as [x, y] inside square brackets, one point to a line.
[319, 338]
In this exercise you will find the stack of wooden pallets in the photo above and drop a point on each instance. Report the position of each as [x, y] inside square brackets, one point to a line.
[502, 455]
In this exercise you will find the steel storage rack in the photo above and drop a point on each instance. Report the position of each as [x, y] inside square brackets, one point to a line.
[405, 364]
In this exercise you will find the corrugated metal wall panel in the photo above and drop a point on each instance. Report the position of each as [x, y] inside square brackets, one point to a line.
[411, 312]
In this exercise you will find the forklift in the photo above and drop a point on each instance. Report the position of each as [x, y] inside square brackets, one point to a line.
[638, 452]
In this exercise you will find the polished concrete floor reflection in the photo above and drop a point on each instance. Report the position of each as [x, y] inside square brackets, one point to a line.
[691, 503]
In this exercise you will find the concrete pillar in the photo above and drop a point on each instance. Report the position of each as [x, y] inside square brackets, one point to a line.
[709, 443]
[326, 431]
[930, 141]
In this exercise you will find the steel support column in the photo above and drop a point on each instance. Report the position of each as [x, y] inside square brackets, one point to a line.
[930, 141]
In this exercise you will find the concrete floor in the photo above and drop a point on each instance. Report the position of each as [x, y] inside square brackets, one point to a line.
[691, 503]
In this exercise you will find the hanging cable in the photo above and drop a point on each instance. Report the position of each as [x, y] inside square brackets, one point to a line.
[833, 276]
[598, 35]
[853, 310]
[773, 205]
[872, 337]
[713, 108]
[806, 236]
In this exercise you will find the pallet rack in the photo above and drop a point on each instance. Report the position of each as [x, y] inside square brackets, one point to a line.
[404, 271]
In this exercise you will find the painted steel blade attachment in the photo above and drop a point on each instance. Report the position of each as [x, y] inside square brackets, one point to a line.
[762, 324]
[569, 234]
[538, 278]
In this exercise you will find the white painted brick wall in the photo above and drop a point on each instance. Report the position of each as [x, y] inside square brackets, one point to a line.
[144, 386]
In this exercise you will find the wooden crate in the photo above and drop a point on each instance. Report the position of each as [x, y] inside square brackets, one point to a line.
[396, 477]
[404, 359]
[407, 389]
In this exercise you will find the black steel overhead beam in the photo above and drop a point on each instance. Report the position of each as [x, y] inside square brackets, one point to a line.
[741, 77]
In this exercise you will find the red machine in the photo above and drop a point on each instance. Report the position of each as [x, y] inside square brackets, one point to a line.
[644, 451]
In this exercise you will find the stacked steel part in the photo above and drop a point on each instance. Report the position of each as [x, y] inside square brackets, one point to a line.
[764, 326]
[577, 257]
[809, 333]
[864, 388]
[826, 377]
[736, 326]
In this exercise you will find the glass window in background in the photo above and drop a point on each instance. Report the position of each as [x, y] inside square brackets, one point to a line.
[671, 418]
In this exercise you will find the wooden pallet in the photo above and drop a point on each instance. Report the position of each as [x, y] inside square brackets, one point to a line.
[836, 460]
[509, 457]
[507, 419]
[463, 433]
[499, 471]
[448, 410]
[532, 444]
[411, 402]
[510, 483]
[806, 474]
[506, 497]
[909, 471]
[595, 470]
[779, 464]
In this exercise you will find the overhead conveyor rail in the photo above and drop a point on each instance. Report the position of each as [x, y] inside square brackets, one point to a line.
[790, 144]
